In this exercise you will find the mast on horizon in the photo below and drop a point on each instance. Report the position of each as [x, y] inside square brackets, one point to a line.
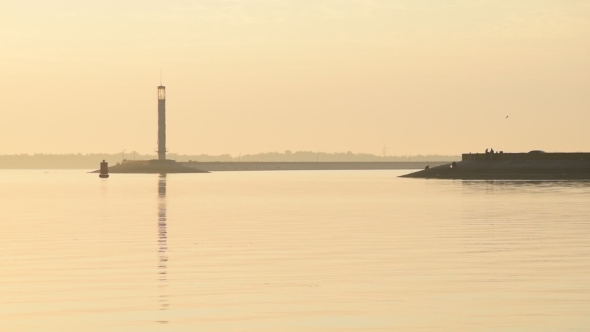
[161, 122]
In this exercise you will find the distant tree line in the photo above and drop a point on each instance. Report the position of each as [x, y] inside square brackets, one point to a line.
[91, 161]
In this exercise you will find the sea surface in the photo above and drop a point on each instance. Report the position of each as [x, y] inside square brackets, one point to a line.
[291, 251]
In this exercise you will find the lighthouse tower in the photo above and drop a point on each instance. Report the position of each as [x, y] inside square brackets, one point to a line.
[161, 122]
[154, 166]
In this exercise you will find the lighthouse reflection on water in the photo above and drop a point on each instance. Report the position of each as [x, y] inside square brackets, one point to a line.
[162, 245]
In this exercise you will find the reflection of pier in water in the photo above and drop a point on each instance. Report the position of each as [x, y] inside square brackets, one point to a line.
[162, 243]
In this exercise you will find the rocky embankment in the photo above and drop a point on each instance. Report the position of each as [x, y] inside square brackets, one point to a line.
[152, 167]
[509, 170]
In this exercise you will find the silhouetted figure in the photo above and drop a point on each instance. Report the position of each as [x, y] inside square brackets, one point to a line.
[427, 167]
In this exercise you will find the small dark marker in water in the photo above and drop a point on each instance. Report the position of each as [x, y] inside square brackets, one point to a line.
[104, 170]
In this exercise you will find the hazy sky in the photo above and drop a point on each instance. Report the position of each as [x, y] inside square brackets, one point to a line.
[244, 76]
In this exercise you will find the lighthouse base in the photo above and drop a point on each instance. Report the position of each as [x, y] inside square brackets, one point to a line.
[151, 167]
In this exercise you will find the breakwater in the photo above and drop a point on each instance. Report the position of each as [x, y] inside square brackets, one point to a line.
[513, 166]
[306, 166]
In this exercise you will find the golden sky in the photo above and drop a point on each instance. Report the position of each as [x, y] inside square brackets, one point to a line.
[246, 76]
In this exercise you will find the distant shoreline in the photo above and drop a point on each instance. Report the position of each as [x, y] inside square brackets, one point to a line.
[92, 160]
[271, 166]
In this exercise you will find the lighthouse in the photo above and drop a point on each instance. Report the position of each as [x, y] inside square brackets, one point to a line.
[161, 123]
[160, 165]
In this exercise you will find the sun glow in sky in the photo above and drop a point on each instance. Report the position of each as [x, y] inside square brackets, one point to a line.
[419, 76]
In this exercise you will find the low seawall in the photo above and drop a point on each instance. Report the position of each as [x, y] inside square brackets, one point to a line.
[530, 156]
[306, 166]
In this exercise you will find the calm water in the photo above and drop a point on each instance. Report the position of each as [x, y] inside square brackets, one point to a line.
[291, 251]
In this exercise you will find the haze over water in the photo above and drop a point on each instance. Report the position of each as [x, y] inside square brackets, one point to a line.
[244, 77]
[291, 251]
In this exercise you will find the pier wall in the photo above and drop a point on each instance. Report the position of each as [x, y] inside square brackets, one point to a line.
[552, 156]
[307, 166]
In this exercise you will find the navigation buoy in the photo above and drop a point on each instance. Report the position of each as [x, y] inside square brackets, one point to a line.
[104, 170]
